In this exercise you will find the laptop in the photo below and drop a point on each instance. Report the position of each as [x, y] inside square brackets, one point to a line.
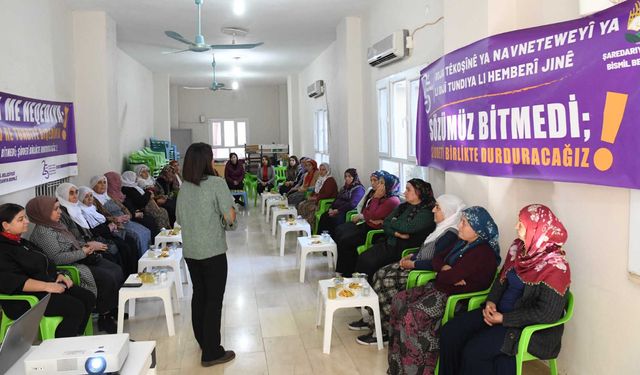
[21, 334]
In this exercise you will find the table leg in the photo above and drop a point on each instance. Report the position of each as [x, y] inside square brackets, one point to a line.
[273, 225]
[328, 327]
[330, 259]
[132, 307]
[121, 302]
[303, 264]
[376, 318]
[178, 279]
[168, 312]
[283, 236]
[320, 308]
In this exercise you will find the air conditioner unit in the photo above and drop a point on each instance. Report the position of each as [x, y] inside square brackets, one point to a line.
[316, 89]
[389, 49]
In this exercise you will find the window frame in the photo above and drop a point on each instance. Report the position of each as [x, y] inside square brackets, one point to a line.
[236, 147]
[321, 120]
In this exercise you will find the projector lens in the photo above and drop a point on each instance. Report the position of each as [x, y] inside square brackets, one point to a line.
[95, 365]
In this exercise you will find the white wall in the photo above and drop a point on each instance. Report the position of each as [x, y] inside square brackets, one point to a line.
[161, 106]
[261, 105]
[37, 60]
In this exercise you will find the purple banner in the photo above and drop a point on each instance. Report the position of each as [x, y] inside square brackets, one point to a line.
[37, 142]
[559, 102]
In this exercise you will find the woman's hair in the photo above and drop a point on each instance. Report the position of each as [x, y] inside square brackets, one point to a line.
[267, 159]
[294, 158]
[236, 155]
[8, 212]
[198, 163]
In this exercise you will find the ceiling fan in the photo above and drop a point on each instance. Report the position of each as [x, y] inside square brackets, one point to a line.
[215, 85]
[199, 45]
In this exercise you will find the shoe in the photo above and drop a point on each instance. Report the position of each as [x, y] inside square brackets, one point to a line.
[241, 203]
[370, 339]
[229, 355]
[359, 325]
[107, 324]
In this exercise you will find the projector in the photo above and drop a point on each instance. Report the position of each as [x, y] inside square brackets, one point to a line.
[79, 355]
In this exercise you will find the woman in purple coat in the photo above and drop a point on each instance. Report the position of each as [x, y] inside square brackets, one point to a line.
[234, 175]
[347, 199]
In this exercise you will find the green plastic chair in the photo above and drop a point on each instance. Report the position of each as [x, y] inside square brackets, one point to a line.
[323, 206]
[411, 250]
[281, 174]
[367, 244]
[350, 214]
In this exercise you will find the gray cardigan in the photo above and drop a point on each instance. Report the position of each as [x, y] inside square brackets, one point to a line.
[539, 304]
[63, 252]
[271, 175]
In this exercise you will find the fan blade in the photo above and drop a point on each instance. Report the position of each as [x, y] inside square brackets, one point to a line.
[178, 37]
[179, 51]
[236, 46]
[196, 88]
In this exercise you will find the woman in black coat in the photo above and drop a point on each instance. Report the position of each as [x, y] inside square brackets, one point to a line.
[25, 269]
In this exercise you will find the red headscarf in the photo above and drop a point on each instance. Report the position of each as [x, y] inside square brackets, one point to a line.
[310, 172]
[540, 258]
[114, 186]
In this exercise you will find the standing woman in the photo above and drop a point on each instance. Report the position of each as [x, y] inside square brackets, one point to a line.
[266, 176]
[204, 205]
[532, 289]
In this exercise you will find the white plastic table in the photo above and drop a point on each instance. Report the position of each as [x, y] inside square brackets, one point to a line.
[279, 211]
[274, 202]
[263, 198]
[308, 245]
[175, 260]
[165, 290]
[164, 238]
[331, 305]
[297, 226]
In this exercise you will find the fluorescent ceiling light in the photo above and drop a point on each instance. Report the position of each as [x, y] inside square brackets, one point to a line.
[238, 7]
[234, 85]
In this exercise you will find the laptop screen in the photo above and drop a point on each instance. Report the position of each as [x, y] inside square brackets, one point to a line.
[21, 334]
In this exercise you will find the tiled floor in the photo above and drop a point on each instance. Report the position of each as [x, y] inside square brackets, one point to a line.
[268, 319]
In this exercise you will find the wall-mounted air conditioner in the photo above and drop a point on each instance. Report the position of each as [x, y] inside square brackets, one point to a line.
[316, 89]
[389, 49]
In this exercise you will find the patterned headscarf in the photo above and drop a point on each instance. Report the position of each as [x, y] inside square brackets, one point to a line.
[540, 258]
[321, 179]
[391, 182]
[310, 173]
[482, 223]
[114, 186]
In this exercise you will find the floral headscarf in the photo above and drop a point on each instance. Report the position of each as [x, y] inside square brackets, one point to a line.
[486, 229]
[310, 173]
[540, 258]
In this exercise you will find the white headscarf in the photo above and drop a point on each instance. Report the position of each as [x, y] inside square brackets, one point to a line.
[104, 197]
[74, 210]
[129, 180]
[320, 181]
[451, 207]
[90, 213]
[143, 182]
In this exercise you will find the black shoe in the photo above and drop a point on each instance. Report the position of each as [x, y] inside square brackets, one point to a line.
[359, 325]
[370, 339]
[229, 355]
[107, 324]
[241, 203]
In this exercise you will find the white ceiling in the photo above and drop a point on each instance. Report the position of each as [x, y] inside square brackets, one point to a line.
[294, 32]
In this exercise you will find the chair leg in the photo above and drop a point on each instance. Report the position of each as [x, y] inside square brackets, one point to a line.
[553, 367]
[518, 364]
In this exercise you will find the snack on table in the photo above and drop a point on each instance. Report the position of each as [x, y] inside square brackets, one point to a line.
[146, 277]
[355, 285]
[346, 293]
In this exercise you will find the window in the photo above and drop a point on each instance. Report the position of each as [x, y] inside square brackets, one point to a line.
[321, 136]
[228, 136]
[397, 117]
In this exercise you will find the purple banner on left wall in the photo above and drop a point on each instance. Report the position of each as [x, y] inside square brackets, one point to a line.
[37, 142]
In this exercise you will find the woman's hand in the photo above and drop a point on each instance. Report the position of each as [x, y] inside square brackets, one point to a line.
[161, 200]
[113, 227]
[492, 318]
[139, 214]
[64, 280]
[407, 264]
[376, 222]
[88, 250]
[460, 283]
[357, 218]
[333, 212]
[446, 267]
[403, 236]
[55, 288]
[97, 246]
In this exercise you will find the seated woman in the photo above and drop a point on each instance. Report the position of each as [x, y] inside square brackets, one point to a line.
[166, 184]
[113, 190]
[25, 269]
[176, 171]
[325, 188]
[234, 175]
[137, 199]
[266, 175]
[406, 227]
[293, 175]
[298, 194]
[347, 199]
[532, 289]
[145, 181]
[118, 250]
[100, 276]
[392, 278]
[416, 313]
[379, 205]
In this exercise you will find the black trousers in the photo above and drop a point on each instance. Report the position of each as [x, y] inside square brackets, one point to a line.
[378, 256]
[109, 278]
[209, 279]
[348, 237]
[330, 223]
[469, 346]
[74, 306]
[262, 188]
